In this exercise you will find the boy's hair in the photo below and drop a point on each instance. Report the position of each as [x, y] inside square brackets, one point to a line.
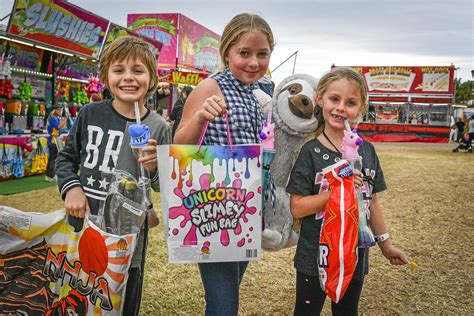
[239, 25]
[129, 47]
[348, 73]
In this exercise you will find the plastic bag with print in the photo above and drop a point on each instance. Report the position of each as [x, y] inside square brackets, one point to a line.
[49, 269]
[339, 232]
[212, 203]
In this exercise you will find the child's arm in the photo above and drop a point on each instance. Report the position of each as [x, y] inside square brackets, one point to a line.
[304, 205]
[203, 104]
[63, 122]
[67, 166]
[377, 224]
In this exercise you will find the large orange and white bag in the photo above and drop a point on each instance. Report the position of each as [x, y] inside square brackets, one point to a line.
[338, 240]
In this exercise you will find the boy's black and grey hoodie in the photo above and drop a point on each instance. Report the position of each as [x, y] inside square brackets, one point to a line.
[97, 143]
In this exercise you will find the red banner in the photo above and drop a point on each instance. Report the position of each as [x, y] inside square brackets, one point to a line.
[408, 80]
[58, 24]
[403, 133]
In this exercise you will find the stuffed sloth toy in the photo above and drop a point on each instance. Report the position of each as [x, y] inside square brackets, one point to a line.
[297, 118]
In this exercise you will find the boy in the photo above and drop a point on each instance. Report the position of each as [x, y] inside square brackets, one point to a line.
[100, 134]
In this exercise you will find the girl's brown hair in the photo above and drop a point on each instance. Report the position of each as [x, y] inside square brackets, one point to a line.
[239, 25]
[129, 47]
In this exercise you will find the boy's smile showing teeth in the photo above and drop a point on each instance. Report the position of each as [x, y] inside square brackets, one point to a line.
[129, 88]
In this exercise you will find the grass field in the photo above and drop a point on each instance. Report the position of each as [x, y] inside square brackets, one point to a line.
[428, 206]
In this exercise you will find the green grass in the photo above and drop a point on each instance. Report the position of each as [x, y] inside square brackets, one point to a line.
[24, 184]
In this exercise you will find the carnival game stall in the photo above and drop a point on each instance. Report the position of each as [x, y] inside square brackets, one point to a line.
[190, 51]
[48, 53]
[408, 103]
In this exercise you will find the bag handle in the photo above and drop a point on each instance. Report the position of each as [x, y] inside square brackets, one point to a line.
[204, 130]
[39, 148]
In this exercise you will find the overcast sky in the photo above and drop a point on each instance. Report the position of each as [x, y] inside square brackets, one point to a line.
[326, 32]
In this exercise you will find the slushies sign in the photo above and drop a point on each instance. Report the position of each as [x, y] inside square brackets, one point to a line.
[58, 24]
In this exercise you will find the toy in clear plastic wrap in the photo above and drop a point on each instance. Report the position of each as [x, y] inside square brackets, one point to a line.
[139, 136]
[18, 163]
[267, 136]
[350, 145]
[339, 232]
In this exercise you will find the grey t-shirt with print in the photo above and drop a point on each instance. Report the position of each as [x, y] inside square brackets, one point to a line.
[307, 179]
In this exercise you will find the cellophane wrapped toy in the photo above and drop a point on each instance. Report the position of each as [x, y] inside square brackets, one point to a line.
[350, 145]
[339, 232]
[267, 136]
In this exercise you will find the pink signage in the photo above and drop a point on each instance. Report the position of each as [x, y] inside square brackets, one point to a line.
[116, 31]
[198, 46]
[160, 27]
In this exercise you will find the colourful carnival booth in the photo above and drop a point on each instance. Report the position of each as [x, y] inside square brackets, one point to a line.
[190, 51]
[48, 55]
[408, 103]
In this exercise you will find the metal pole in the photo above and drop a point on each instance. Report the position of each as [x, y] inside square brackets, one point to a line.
[294, 63]
[53, 78]
[285, 61]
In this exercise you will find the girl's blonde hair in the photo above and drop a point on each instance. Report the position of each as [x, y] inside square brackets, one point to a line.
[239, 25]
[348, 73]
[126, 47]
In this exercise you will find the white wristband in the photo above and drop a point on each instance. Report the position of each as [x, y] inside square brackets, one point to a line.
[381, 238]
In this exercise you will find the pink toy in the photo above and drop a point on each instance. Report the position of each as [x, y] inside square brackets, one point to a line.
[350, 142]
[94, 86]
[267, 135]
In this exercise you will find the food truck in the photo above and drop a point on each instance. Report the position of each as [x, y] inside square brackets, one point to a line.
[408, 103]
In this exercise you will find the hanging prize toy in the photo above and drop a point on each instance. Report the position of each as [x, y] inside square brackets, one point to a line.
[267, 136]
[94, 86]
[350, 145]
[26, 91]
[17, 167]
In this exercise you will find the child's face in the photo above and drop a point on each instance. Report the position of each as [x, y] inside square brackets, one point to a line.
[248, 59]
[342, 100]
[129, 81]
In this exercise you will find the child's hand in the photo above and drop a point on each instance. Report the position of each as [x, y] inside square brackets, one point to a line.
[149, 157]
[211, 108]
[153, 219]
[358, 181]
[76, 203]
[392, 253]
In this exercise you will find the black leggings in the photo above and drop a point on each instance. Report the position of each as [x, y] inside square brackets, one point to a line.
[310, 298]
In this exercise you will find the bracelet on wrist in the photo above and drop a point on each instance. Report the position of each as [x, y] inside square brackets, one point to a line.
[381, 238]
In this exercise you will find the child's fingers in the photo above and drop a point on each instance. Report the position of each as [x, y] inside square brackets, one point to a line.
[152, 142]
[213, 107]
